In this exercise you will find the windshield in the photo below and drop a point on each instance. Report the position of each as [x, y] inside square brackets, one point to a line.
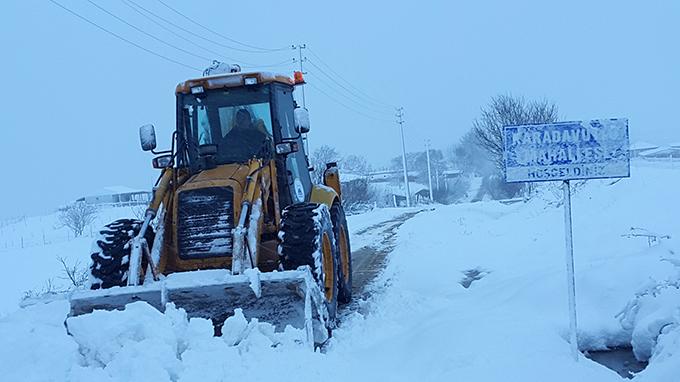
[237, 120]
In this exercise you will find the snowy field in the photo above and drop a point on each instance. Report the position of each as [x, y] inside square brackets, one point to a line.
[509, 324]
[34, 265]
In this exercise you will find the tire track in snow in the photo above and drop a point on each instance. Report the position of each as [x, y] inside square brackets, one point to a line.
[368, 261]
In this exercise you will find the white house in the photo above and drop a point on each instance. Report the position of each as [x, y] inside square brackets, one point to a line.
[639, 147]
[667, 152]
[118, 195]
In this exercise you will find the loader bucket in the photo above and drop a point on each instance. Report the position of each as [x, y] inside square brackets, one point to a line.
[279, 298]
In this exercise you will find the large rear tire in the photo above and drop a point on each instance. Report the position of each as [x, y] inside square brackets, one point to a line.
[307, 239]
[344, 253]
[111, 253]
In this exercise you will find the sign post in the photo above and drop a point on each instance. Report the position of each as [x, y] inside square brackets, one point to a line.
[571, 283]
[563, 151]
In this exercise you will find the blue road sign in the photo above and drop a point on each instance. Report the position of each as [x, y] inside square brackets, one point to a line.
[567, 150]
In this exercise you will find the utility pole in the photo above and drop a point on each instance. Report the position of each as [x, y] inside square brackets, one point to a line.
[301, 59]
[429, 171]
[299, 47]
[400, 121]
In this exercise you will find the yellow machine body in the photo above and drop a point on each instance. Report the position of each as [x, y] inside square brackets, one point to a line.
[251, 193]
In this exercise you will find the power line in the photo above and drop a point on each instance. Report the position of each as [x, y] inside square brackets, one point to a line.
[374, 100]
[346, 106]
[279, 65]
[123, 38]
[353, 100]
[191, 32]
[338, 83]
[146, 33]
[217, 54]
[134, 6]
[259, 49]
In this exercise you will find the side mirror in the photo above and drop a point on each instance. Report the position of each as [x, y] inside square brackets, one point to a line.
[147, 137]
[301, 120]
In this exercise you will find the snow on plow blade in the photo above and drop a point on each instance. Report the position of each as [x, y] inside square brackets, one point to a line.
[279, 298]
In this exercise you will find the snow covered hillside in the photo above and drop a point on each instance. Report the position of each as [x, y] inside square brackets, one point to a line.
[31, 247]
[471, 292]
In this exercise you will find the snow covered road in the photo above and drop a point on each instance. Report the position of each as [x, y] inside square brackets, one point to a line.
[371, 247]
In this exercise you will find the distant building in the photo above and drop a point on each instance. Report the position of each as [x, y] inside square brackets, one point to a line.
[118, 195]
[450, 178]
[661, 153]
[638, 148]
[390, 175]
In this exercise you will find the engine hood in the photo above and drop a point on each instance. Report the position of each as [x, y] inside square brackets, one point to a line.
[227, 175]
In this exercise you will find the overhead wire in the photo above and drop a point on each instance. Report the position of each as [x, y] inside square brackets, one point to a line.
[177, 62]
[252, 65]
[347, 106]
[345, 88]
[356, 101]
[281, 64]
[187, 30]
[147, 33]
[258, 49]
[83, 18]
[148, 17]
[349, 83]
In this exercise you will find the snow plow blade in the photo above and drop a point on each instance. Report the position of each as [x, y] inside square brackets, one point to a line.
[279, 298]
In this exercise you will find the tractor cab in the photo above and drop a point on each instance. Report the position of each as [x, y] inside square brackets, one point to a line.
[235, 117]
[226, 120]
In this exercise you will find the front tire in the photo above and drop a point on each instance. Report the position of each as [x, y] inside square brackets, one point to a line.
[111, 253]
[344, 253]
[307, 239]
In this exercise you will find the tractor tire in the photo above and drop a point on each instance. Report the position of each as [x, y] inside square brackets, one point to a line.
[344, 253]
[111, 253]
[306, 233]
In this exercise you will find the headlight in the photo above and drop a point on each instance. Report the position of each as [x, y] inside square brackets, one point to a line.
[162, 161]
[286, 148]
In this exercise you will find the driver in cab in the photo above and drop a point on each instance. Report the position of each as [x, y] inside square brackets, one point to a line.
[248, 137]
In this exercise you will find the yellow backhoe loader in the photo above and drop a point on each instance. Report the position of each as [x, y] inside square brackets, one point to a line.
[235, 220]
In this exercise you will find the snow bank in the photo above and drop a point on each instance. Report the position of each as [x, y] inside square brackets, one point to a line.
[654, 309]
[34, 345]
[137, 344]
[652, 318]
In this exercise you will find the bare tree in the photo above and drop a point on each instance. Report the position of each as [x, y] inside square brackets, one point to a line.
[355, 164]
[468, 156]
[139, 211]
[357, 195]
[504, 110]
[76, 273]
[77, 216]
[319, 158]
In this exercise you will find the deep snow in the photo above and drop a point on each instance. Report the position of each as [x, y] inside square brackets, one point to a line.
[421, 323]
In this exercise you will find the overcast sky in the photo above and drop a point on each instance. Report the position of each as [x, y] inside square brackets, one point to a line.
[74, 95]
